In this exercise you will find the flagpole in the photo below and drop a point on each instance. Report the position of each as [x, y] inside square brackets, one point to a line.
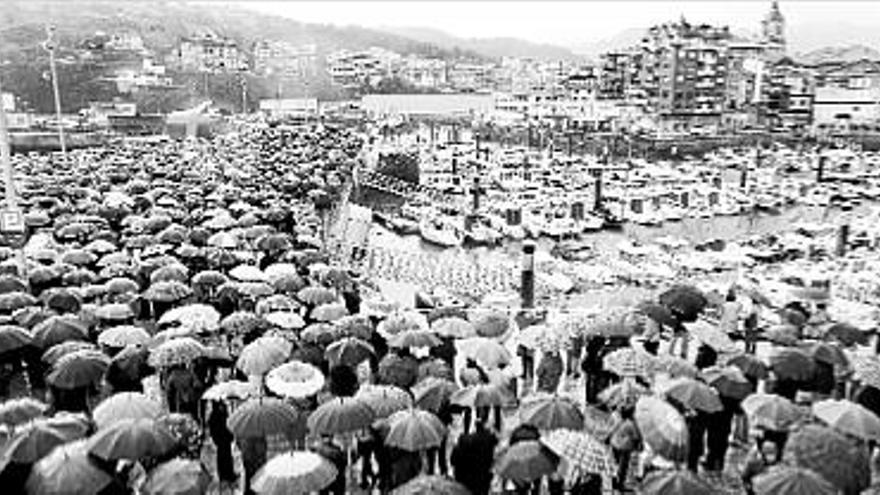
[50, 47]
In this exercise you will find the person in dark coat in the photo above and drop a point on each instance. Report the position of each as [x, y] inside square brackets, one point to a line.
[445, 351]
[549, 372]
[472, 459]
[696, 424]
[525, 433]
[182, 391]
[706, 357]
[253, 456]
[404, 466]
[333, 453]
[437, 455]
[222, 438]
[343, 381]
[719, 424]
[592, 367]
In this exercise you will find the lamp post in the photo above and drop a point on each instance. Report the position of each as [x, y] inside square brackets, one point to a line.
[49, 45]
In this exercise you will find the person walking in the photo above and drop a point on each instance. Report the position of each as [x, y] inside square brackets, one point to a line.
[222, 438]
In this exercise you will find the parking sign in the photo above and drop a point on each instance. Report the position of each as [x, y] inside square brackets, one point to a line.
[11, 222]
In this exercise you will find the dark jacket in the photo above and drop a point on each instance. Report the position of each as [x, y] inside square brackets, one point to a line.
[472, 459]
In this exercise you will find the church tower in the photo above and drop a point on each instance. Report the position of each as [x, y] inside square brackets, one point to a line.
[773, 31]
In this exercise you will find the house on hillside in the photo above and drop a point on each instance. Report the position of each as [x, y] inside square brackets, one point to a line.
[210, 53]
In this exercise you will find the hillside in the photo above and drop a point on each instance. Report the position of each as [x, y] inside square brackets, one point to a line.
[848, 53]
[490, 47]
[161, 25]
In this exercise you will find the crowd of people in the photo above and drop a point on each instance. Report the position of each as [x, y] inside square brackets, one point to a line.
[174, 326]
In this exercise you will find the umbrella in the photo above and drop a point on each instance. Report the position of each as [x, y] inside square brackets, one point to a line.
[168, 291]
[322, 334]
[677, 482]
[58, 329]
[179, 350]
[175, 272]
[847, 334]
[397, 370]
[354, 326]
[770, 411]
[340, 415]
[792, 364]
[32, 441]
[62, 300]
[79, 369]
[684, 301]
[11, 301]
[454, 327]
[294, 472]
[263, 354]
[196, 318]
[662, 427]
[247, 273]
[866, 369]
[316, 295]
[277, 302]
[674, 366]
[788, 480]
[693, 394]
[750, 365]
[623, 394]
[550, 412]
[21, 410]
[828, 353]
[657, 312]
[125, 405]
[526, 461]
[122, 285]
[67, 469]
[124, 335]
[414, 338]
[615, 324]
[384, 400]
[487, 352]
[435, 367]
[131, 439]
[830, 455]
[491, 324]
[209, 279]
[13, 338]
[431, 485]
[627, 362]
[263, 417]
[785, 334]
[432, 393]
[480, 396]
[329, 312]
[295, 379]
[273, 242]
[401, 321]
[349, 351]
[415, 430]
[848, 417]
[177, 477]
[285, 320]
[712, 336]
[8, 284]
[581, 450]
[233, 389]
[729, 381]
[242, 323]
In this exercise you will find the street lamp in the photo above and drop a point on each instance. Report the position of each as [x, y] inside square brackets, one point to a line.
[49, 45]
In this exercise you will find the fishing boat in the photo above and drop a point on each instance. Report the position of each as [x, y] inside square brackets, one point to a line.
[440, 231]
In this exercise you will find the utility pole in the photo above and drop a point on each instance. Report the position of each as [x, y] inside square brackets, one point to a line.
[11, 219]
[49, 45]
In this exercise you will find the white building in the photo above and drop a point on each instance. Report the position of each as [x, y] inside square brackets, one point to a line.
[844, 110]
[290, 107]
[355, 68]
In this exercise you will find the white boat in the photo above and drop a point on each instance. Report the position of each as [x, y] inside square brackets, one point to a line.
[590, 223]
[439, 231]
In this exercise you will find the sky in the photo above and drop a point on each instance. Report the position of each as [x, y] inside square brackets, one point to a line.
[563, 22]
